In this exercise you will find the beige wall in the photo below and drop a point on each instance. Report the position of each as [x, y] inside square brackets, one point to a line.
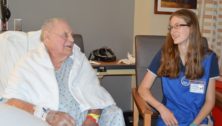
[146, 22]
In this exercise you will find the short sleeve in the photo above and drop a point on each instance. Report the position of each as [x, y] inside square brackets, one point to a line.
[214, 68]
[155, 63]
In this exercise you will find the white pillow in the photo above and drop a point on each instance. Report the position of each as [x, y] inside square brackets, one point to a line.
[13, 45]
[33, 39]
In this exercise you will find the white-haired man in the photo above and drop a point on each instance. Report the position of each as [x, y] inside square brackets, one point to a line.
[56, 83]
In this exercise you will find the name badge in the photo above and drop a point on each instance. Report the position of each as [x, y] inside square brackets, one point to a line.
[197, 86]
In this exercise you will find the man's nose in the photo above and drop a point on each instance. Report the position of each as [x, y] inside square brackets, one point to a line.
[71, 38]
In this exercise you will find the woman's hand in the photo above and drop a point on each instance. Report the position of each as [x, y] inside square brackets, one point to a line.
[56, 118]
[167, 116]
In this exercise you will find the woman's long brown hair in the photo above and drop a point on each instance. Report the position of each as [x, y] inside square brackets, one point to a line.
[170, 59]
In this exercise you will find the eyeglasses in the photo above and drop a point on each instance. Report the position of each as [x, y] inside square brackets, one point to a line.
[177, 26]
[64, 36]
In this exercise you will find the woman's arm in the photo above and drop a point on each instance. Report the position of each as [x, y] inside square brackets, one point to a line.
[145, 93]
[209, 103]
[144, 89]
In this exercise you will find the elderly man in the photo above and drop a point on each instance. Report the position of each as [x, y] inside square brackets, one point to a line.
[56, 83]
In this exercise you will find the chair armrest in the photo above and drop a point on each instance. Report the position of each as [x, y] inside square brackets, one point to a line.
[219, 99]
[141, 104]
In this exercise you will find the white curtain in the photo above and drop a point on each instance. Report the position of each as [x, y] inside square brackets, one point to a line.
[210, 17]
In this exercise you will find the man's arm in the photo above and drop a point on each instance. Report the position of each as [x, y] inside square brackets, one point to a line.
[21, 105]
[95, 111]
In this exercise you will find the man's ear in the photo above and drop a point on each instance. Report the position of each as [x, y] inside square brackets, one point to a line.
[46, 35]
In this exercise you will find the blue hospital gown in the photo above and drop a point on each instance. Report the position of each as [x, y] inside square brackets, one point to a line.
[111, 116]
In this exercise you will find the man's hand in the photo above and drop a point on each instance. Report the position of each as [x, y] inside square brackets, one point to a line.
[56, 118]
[89, 122]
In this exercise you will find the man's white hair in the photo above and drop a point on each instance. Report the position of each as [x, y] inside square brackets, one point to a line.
[48, 25]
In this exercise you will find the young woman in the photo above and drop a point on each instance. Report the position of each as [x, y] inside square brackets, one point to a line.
[187, 70]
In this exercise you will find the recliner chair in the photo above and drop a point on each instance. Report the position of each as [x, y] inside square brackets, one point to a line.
[78, 40]
[14, 45]
[146, 48]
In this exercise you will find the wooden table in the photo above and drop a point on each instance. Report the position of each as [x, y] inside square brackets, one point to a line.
[113, 69]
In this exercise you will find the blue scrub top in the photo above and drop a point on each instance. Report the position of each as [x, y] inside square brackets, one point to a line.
[182, 96]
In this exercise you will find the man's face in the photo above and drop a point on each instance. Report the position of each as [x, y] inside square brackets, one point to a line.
[59, 41]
